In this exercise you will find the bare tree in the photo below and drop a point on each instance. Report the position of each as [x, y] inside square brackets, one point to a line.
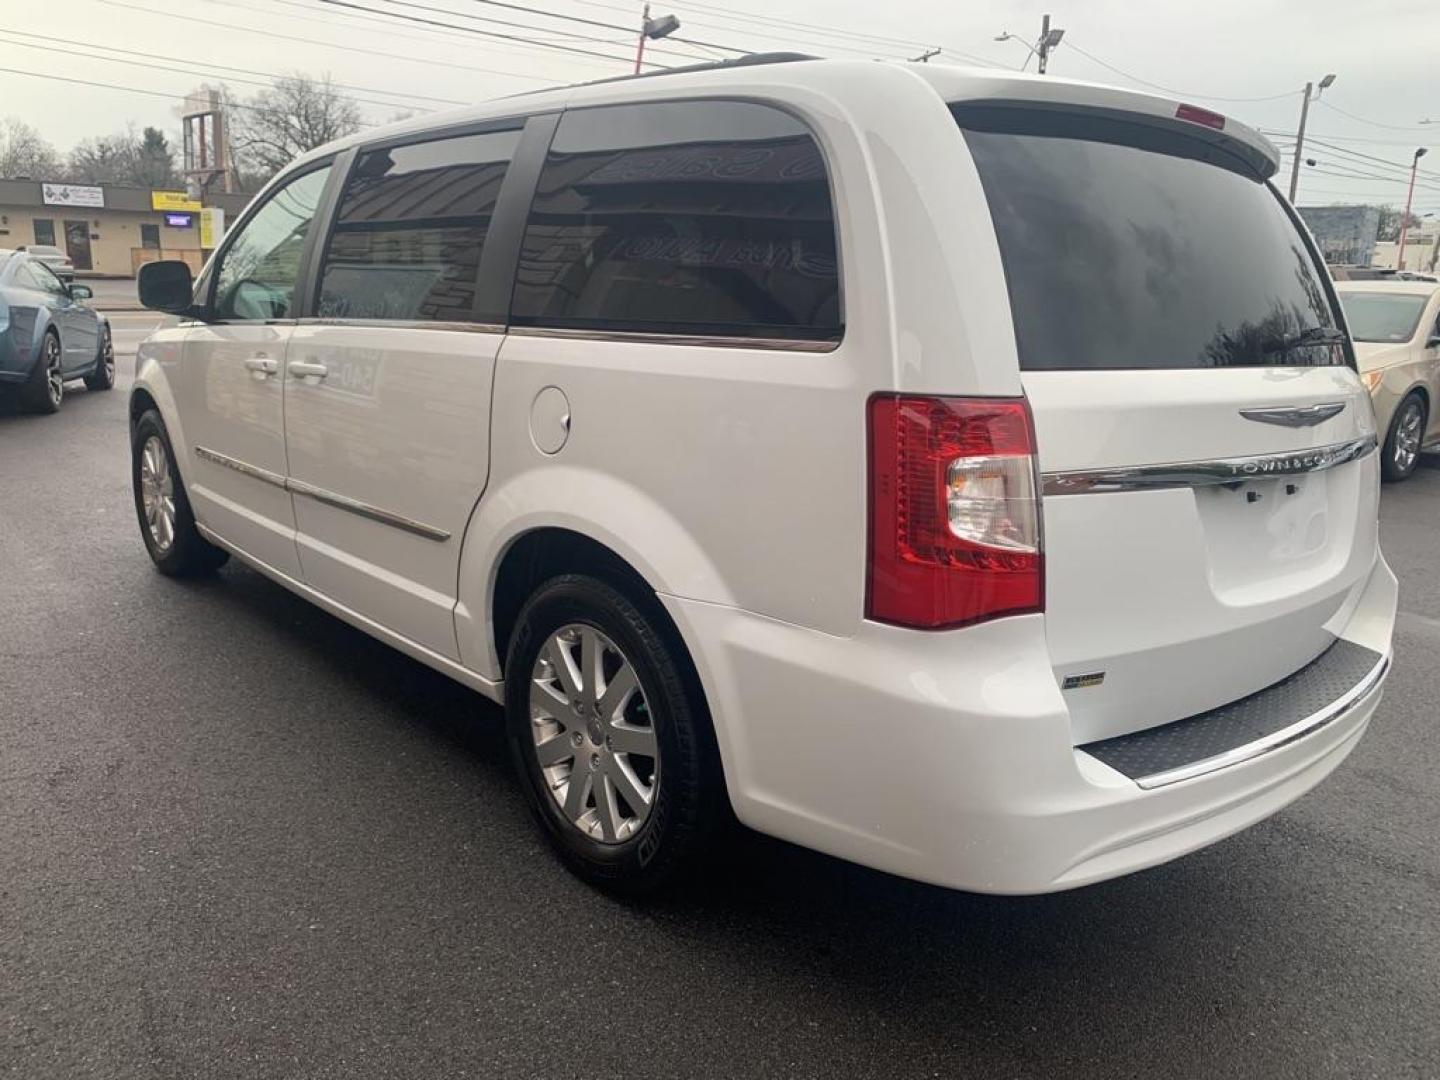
[24, 153]
[297, 114]
[105, 159]
[1390, 223]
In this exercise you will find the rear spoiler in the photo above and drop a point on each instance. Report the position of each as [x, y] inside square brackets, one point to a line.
[1226, 134]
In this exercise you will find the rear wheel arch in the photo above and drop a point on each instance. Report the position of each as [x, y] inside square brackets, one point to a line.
[544, 553]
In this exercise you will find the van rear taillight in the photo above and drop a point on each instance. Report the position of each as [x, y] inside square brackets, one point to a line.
[954, 511]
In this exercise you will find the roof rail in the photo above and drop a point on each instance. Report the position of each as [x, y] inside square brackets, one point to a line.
[748, 60]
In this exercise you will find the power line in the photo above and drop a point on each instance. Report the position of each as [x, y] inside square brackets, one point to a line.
[1170, 90]
[168, 94]
[474, 30]
[202, 74]
[1364, 160]
[422, 34]
[385, 55]
[591, 22]
[1373, 123]
[903, 44]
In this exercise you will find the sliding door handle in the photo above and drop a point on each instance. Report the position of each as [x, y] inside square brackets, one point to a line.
[303, 369]
[261, 364]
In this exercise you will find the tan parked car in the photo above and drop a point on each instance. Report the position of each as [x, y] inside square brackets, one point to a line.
[1396, 327]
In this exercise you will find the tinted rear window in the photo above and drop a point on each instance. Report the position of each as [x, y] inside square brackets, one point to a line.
[1128, 248]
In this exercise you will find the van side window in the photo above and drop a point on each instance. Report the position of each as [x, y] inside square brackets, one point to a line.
[256, 275]
[708, 218]
[410, 227]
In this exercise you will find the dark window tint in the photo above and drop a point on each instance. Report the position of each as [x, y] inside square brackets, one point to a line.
[149, 236]
[1127, 248]
[411, 225]
[706, 218]
[44, 231]
[258, 270]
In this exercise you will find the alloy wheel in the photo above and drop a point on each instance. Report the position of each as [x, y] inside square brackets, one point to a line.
[107, 356]
[594, 737]
[157, 493]
[54, 378]
[1408, 435]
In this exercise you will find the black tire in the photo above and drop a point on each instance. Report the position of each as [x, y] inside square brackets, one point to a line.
[1397, 463]
[45, 389]
[103, 377]
[188, 554]
[689, 799]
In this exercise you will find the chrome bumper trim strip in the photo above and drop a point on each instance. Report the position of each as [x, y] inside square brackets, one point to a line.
[1275, 740]
[330, 498]
[1205, 473]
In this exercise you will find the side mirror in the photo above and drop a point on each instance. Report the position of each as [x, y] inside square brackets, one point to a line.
[81, 292]
[1434, 342]
[167, 286]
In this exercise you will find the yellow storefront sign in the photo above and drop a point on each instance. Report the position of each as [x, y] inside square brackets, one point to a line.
[173, 200]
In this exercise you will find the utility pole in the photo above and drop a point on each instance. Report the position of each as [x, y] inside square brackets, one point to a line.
[1044, 51]
[1405, 217]
[1300, 135]
[640, 49]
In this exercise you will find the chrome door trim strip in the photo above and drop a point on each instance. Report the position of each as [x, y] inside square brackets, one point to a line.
[365, 510]
[1276, 739]
[240, 466]
[330, 498]
[1295, 415]
[717, 341]
[405, 324]
[1181, 474]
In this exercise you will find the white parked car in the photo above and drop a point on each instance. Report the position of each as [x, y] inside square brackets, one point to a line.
[962, 473]
[54, 258]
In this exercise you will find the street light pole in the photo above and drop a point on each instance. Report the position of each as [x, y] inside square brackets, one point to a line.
[1042, 49]
[640, 49]
[1405, 217]
[653, 28]
[1300, 134]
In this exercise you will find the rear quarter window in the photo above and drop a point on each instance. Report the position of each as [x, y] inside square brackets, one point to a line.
[1126, 248]
[699, 218]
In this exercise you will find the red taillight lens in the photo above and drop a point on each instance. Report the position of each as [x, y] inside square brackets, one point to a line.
[1196, 115]
[954, 513]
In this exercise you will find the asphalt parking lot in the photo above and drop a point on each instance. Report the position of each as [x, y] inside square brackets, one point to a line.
[240, 839]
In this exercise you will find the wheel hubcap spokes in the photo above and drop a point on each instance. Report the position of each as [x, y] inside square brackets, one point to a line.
[53, 377]
[594, 736]
[1407, 438]
[109, 358]
[157, 493]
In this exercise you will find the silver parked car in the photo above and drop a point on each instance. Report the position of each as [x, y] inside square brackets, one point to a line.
[48, 334]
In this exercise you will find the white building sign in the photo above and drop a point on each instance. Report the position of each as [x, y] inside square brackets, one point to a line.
[71, 195]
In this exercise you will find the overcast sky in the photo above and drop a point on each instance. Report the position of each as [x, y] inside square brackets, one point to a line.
[1385, 53]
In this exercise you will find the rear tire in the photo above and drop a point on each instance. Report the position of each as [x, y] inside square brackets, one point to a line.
[166, 522]
[627, 746]
[45, 389]
[103, 377]
[1401, 452]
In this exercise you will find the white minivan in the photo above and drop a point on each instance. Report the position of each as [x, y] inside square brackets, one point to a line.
[959, 472]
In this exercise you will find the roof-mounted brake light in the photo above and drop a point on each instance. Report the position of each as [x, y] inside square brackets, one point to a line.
[1197, 115]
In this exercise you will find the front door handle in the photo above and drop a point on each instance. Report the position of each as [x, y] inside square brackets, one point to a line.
[261, 364]
[300, 369]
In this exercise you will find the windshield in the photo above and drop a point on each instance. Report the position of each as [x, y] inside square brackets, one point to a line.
[1387, 317]
[1128, 247]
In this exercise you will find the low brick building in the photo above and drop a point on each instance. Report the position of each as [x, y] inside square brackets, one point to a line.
[106, 229]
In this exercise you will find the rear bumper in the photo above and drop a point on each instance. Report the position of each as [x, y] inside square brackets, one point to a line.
[948, 757]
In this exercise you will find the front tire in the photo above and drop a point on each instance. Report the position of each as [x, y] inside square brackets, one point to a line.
[103, 377]
[166, 522]
[45, 389]
[1402, 444]
[610, 737]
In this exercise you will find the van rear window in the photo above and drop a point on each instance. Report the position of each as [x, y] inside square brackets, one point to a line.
[1128, 248]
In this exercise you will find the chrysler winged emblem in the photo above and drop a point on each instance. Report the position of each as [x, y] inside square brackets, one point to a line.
[1295, 415]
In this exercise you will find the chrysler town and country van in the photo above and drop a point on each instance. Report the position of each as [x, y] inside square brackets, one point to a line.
[962, 473]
